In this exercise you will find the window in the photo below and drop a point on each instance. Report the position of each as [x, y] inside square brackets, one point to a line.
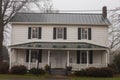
[34, 32]
[60, 33]
[84, 33]
[82, 57]
[35, 55]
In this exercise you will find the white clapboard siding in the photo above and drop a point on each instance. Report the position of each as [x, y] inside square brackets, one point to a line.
[20, 34]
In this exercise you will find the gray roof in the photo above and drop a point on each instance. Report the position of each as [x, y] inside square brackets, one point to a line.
[61, 18]
[59, 45]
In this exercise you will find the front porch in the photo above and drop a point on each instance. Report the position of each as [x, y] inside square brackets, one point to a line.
[59, 59]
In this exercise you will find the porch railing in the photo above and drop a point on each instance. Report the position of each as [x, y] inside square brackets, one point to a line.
[83, 66]
[31, 65]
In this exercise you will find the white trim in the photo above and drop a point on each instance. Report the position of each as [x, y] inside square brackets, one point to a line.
[68, 56]
[106, 54]
[29, 64]
[87, 58]
[60, 48]
[46, 23]
[48, 57]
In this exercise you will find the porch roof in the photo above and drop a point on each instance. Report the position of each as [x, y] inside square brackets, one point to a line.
[59, 46]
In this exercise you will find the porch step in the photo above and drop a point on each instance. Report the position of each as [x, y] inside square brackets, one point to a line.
[58, 71]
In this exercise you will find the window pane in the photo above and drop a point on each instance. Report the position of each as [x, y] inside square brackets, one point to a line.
[84, 33]
[34, 32]
[33, 55]
[60, 33]
[84, 57]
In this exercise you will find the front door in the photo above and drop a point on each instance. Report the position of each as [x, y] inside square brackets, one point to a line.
[58, 59]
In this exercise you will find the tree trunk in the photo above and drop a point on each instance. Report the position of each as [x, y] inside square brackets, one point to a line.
[1, 31]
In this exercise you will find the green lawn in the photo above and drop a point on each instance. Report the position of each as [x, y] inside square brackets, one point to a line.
[90, 78]
[24, 77]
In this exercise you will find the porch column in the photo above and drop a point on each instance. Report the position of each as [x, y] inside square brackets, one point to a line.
[11, 52]
[48, 57]
[68, 56]
[29, 64]
[107, 57]
[87, 58]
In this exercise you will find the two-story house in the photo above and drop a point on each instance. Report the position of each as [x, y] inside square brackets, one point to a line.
[79, 40]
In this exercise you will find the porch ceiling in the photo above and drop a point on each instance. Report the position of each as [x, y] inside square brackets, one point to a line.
[59, 46]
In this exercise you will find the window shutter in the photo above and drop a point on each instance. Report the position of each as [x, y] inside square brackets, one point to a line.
[27, 55]
[90, 57]
[54, 33]
[40, 33]
[65, 33]
[78, 57]
[29, 32]
[79, 33]
[89, 34]
[40, 56]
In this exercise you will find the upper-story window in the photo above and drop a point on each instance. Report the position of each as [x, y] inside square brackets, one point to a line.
[84, 33]
[60, 33]
[34, 32]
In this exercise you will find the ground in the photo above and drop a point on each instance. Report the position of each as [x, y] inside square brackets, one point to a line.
[49, 77]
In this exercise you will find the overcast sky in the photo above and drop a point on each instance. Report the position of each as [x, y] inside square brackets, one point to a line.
[85, 4]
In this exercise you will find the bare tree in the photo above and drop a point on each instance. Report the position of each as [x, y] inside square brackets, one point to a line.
[7, 9]
[114, 30]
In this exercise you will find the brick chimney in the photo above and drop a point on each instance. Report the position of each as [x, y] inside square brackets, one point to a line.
[104, 11]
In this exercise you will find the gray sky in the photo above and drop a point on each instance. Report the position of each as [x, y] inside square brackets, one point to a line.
[85, 4]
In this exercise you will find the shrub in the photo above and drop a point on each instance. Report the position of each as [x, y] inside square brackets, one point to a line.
[47, 68]
[69, 68]
[18, 69]
[80, 73]
[36, 71]
[4, 67]
[116, 61]
[96, 72]
[114, 67]
[100, 72]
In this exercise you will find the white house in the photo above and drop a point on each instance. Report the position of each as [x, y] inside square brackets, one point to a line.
[60, 40]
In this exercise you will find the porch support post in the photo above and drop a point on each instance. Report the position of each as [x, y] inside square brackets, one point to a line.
[11, 52]
[68, 56]
[107, 57]
[87, 58]
[48, 57]
[29, 64]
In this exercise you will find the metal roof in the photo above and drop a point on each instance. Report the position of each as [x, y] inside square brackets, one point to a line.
[59, 45]
[61, 18]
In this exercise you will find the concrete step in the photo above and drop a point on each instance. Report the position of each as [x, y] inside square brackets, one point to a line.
[58, 71]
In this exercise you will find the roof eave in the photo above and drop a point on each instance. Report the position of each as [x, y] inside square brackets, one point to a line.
[39, 23]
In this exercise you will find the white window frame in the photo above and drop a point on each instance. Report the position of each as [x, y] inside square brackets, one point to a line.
[57, 33]
[84, 35]
[37, 32]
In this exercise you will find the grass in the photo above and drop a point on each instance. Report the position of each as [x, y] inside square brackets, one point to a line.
[25, 77]
[92, 78]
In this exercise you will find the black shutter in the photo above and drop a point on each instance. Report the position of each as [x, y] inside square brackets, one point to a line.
[78, 57]
[79, 33]
[27, 55]
[90, 57]
[89, 34]
[65, 33]
[29, 32]
[54, 33]
[40, 56]
[40, 33]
